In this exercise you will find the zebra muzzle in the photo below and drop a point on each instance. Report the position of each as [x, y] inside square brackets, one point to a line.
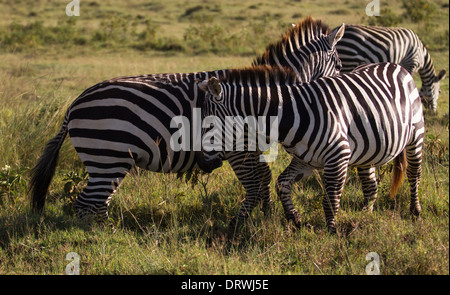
[205, 164]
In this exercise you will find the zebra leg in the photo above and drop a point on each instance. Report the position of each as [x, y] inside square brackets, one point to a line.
[296, 170]
[369, 186]
[334, 178]
[245, 168]
[414, 167]
[265, 176]
[95, 197]
[414, 174]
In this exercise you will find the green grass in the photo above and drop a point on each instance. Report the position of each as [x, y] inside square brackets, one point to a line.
[161, 224]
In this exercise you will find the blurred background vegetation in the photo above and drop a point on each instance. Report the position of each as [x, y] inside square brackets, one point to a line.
[162, 225]
[196, 27]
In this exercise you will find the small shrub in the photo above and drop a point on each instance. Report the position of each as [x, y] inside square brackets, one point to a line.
[114, 32]
[147, 39]
[436, 150]
[216, 39]
[11, 182]
[74, 182]
[387, 18]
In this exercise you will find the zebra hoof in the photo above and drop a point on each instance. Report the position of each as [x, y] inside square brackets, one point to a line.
[415, 211]
[368, 207]
[331, 226]
[295, 218]
[332, 230]
[415, 216]
[417, 220]
[267, 208]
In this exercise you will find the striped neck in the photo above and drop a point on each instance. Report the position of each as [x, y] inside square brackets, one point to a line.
[306, 49]
[426, 71]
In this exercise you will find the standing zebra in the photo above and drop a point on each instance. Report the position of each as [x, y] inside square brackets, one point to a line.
[370, 44]
[363, 119]
[126, 122]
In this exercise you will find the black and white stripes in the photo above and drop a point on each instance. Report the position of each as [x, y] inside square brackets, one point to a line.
[370, 44]
[126, 122]
[363, 119]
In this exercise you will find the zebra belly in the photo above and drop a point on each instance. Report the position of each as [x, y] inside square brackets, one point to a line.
[377, 147]
[99, 152]
[375, 156]
[109, 141]
[370, 142]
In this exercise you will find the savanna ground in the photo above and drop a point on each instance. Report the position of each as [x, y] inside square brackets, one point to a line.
[166, 225]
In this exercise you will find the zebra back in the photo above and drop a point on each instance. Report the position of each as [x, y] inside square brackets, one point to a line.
[372, 44]
[378, 101]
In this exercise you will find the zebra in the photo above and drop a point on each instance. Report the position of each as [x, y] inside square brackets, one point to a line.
[371, 44]
[125, 122]
[362, 119]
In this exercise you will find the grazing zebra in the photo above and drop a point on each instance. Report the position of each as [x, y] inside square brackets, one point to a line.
[125, 122]
[363, 119]
[370, 44]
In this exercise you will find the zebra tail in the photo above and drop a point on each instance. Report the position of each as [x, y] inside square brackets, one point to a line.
[42, 173]
[399, 171]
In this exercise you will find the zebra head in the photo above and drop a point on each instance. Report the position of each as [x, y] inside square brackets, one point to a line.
[429, 92]
[308, 48]
[329, 64]
[212, 108]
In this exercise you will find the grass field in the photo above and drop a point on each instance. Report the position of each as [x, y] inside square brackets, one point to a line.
[163, 225]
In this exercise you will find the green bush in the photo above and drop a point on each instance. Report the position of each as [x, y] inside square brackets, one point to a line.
[116, 32]
[34, 35]
[419, 10]
[11, 182]
[215, 39]
[387, 18]
[147, 39]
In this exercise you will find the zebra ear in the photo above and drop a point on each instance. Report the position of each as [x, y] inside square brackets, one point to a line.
[336, 35]
[440, 76]
[214, 87]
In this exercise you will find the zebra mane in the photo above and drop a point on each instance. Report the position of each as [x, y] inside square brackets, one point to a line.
[305, 31]
[263, 74]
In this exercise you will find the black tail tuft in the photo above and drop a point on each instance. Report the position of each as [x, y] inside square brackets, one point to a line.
[42, 173]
